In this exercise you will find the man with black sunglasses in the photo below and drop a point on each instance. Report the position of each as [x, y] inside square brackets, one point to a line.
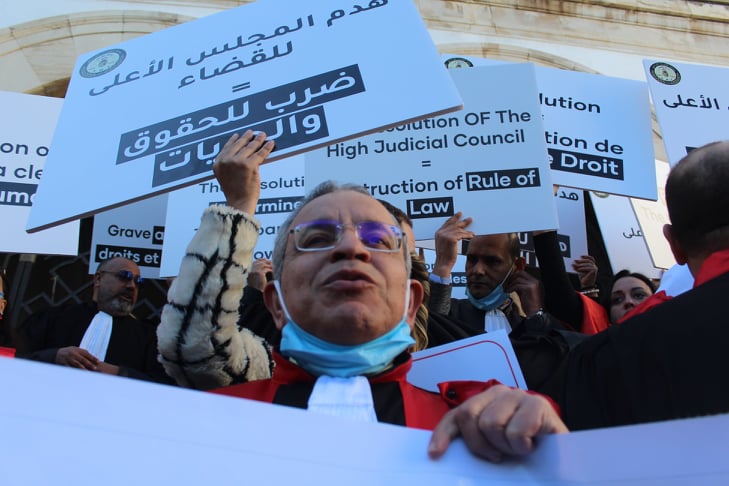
[345, 305]
[101, 335]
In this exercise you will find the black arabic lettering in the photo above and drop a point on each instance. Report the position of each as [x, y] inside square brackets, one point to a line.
[337, 14]
[187, 80]
[92, 92]
[252, 39]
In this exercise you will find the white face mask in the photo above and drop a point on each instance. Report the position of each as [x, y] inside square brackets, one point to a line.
[320, 357]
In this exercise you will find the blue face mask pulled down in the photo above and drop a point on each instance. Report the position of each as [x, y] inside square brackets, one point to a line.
[491, 301]
[320, 357]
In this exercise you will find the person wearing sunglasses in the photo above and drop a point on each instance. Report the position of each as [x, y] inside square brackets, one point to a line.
[342, 297]
[102, 335]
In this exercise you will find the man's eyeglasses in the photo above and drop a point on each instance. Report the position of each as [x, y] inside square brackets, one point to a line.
[324, 234]
[125, 276]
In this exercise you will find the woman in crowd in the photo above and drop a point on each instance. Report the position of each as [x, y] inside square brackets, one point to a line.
[578, 310]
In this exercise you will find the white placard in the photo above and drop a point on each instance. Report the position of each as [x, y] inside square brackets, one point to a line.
[26, 130]
[598, 132]
[691, 103]
[652, 215]
[572, 232]
[597, 128]
[488, 160]
[282, 189]
[135, 231]
[478, 358]
[458, 274]
[149, 115]
[180, 436]
[624, 241]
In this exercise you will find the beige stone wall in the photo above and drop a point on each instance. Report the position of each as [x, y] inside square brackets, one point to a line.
[38, 55]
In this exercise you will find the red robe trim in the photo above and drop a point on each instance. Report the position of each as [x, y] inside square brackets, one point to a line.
[715, 264]
[423, 409]
[594, 316]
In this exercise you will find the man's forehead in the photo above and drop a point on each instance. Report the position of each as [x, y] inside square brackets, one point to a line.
[122, 264]
[489, 244]
[344, 205]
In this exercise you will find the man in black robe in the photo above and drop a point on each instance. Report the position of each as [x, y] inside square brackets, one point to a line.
[101, 335]
[670, 361]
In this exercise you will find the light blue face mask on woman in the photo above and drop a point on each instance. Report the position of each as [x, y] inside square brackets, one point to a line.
[320, 357]
[494, 299]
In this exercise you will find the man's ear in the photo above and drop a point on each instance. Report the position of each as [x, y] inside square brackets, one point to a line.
[678, 253]
[96, 284]
[273, 304]
[520, 264]
[416, 298]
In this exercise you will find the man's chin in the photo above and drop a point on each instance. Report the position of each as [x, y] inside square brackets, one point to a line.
[121, 307]
[478, 291]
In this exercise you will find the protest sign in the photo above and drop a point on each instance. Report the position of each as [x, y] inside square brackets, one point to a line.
[458, 274]
[282, 189]
[624, 241]
[135, 231]
[149, 115]
[488, 160]
[210, 439]
[25, 135]
[652, 215]
[597, 129]
[478, 358]
[572, 232]
[691, 103]
[598, 132]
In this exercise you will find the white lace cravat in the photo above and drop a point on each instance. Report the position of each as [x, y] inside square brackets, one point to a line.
[495, 320]
[343, 397]
[97, 335]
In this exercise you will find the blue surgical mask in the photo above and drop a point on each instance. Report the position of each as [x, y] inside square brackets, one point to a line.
[320, 357]
[494, 299]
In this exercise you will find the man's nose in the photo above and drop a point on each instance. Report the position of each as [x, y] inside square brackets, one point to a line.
[350, 246]
[479, 268]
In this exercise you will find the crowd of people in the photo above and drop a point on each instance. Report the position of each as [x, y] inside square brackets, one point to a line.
[329, 323]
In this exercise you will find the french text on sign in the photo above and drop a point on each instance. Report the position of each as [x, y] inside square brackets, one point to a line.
[141, 256]
[607, 167]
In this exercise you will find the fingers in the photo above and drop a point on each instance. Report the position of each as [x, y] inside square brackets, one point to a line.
[261, 265]
[443, 434]
[76, 357]
[86, 360]
[236, 169]
[245, 148]
[455, 228]
[500, 421]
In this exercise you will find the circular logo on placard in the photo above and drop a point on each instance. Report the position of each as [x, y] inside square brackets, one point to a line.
[102, 63]
[457, 62]
[602, 195]
[665, 73]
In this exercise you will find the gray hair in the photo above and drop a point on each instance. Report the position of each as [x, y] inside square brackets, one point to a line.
[326, 187]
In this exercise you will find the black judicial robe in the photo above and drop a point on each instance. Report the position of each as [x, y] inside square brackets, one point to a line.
[670, 362]
[132, 346]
